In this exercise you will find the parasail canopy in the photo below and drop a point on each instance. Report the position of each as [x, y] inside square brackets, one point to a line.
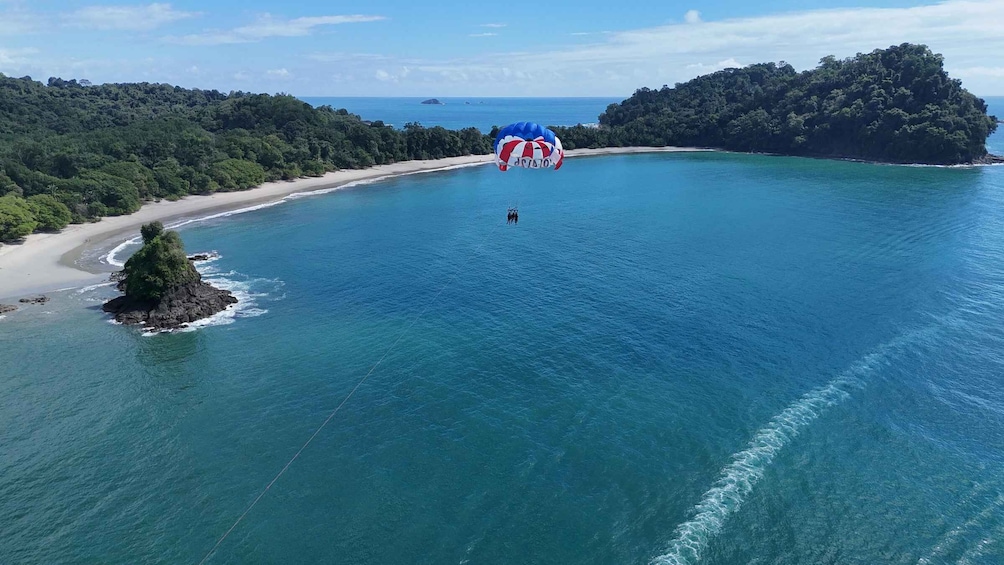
[528, 145]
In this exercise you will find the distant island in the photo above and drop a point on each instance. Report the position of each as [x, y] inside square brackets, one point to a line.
[895, 105]
[432, 101]
[162, 289]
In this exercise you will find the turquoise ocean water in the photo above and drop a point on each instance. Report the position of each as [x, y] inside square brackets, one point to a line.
[673, 358]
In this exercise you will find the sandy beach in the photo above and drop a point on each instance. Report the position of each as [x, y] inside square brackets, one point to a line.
[53, 261]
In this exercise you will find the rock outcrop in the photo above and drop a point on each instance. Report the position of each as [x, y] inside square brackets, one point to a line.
[203, 256]
[4, 308]
[163, 291]
[177, 308]
[36, 300]
[990, 159]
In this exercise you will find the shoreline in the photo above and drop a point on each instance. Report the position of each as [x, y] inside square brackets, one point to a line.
[71, 258]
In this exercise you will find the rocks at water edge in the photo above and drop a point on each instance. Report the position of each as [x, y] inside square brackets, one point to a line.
[203, 256]
[178, 307]
[5, 308]
[990, 159]
[163, 291]
[36, 300]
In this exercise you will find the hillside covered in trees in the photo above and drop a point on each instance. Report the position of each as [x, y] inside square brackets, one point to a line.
[71, 152]
[894, 105]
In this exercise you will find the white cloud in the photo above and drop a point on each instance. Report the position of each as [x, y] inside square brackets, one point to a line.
[15, 21]
[729, 63]
[277, 73]
[967, 32]
[692, 17]
[347, 57]
[267, 26]
[15, 58]
[996, 72]
[384, 76]
[488, 34]
[494, 25]
[131, 18]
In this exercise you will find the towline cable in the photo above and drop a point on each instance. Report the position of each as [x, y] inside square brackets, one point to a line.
[386, 352]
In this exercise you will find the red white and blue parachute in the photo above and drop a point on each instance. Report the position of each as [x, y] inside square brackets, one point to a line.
[528, 145]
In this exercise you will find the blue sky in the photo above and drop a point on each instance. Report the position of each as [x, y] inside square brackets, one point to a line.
[452, 48]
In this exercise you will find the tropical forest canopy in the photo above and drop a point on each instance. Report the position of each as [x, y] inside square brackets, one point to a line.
[895, 105]
[73, 152]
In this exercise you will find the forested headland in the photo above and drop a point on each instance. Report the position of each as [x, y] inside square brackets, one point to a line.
[75, 152]
[894, 105]
[72, 152]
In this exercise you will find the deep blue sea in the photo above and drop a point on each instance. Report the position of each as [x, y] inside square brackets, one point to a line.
[482, 113]
[692, 358]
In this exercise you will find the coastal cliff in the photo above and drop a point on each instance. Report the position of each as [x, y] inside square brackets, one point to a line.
[162, 290]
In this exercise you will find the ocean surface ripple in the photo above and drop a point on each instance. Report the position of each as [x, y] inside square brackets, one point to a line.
[699, 358]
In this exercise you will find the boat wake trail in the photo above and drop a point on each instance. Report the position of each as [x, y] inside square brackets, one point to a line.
[952, 539]
[739, 477]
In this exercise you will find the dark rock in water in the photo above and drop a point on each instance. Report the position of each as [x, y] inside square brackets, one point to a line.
[431, 101]
[4, 308]
[178, 307]
[36, 300]
[203, 256]
[163, 290]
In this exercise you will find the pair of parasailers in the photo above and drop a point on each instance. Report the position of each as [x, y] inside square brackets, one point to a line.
[513, 217]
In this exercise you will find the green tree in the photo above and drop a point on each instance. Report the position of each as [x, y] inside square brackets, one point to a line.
[106, 149]
[158, 266]
[8, 186]
[150, 231]
[16, 219]
[896, 104]
[116, 193]
[237, 174]
[133, 171]
[51, 214]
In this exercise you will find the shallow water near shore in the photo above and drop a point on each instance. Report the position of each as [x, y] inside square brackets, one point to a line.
[672, 358]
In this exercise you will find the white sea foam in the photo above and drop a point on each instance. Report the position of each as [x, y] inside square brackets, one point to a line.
[747, 467]
[248, 291]
[980, 548]
[739, 477]
[112, 257]
[951, 538]
[94, 287]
